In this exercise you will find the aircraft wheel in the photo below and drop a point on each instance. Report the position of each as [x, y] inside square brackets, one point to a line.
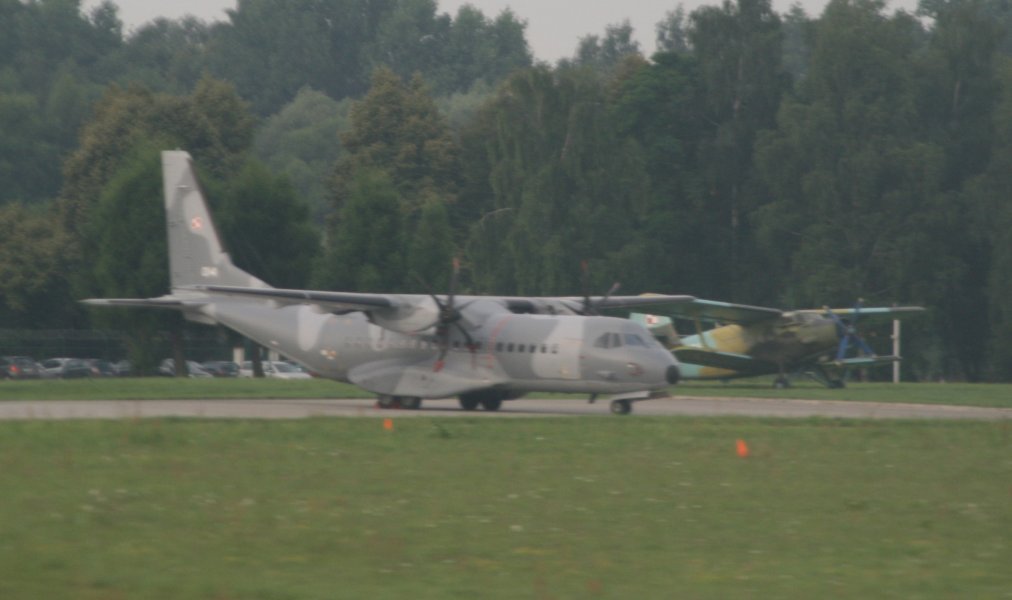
[491, 404]
[468, 402]
[384, 401]
[411, 402]
[621, 407]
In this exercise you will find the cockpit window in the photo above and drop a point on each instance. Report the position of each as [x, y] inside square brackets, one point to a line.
[631, 339]
[609, 340]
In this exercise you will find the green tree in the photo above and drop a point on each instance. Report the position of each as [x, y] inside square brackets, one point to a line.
[213, 124]
[607, 52]
[33, 268]
[672, 34]
[365, 248]
[987, 195]
[302, 141]
[128, 256]
[549, 183]
[658, 107]
[165, 55]
[267, 227]
[396, 129]
[738, 51]
[270, 49]
[860, 203]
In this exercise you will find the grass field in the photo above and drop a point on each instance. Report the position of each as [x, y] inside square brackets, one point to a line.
[478, 508]
[992, 395]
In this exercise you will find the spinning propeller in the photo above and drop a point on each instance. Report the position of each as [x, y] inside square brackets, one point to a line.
[449, 316]
[588, 305]
[846, 330]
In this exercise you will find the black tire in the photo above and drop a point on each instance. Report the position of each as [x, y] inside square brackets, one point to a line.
[411, 402]
[621, 407]
[468, 402]
[491, 403]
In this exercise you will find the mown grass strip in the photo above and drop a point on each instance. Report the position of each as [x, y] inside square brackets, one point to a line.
[596, 507]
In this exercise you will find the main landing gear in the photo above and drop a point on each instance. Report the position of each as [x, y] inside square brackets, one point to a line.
[622, 404]
[489, 400]
[621, 407]
[405, 402]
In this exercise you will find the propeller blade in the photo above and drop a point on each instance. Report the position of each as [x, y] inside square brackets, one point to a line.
[588, 308]
[448, 315]
[841, 350]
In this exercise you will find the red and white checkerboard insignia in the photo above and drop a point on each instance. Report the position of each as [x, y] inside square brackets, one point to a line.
[196, 223]
[652, 320]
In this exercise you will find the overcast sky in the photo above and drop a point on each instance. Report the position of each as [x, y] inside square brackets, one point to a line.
[554, 27]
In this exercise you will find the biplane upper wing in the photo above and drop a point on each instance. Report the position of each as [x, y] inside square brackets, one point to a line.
[722, 312]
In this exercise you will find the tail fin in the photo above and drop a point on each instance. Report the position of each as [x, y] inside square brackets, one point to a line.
[661, 327]
[196, 256]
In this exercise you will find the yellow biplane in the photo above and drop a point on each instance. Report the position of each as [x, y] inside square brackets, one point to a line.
[745, 341]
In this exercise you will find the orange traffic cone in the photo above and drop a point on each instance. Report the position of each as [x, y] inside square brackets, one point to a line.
[388, 424]
[742, 449]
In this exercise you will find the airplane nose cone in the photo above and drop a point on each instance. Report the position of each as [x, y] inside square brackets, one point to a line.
[673, 374]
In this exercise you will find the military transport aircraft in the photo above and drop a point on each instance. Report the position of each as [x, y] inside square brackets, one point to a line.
[755, 340]
[406, 347]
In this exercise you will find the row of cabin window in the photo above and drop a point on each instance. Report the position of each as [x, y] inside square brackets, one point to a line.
[513, 347]
[458, 345]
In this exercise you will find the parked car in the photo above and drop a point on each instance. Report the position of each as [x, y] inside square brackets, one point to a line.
[124, 368]
[221, 368]
[276, 369]
[193, 369]
[19, 367]
[101, 368]
[66, 368]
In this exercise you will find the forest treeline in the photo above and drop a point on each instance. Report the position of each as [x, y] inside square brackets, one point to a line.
[785, 160]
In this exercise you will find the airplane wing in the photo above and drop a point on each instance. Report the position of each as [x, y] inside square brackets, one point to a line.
[721, 360]
[577, 303]
[336, 302]
[865, 361]
[723, 312]
[640, 301]
[342, 302]
[876, 313]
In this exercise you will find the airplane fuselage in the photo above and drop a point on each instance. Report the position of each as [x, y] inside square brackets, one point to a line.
[514, 352]
[784, 342]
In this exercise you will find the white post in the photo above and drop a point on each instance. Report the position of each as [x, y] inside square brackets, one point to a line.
[896, 350]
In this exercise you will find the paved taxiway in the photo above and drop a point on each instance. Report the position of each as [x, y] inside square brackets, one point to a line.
[301, 409]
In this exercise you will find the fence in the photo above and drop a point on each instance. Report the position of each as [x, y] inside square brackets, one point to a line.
[110, 345]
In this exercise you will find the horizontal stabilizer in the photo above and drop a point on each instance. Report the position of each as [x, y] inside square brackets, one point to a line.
[721, 360]
[167, 302]
[660, 327]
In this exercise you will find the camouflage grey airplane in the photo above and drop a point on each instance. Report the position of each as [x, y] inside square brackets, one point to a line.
[406, 347]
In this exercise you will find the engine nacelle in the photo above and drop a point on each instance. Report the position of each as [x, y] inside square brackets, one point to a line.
[412, 316]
